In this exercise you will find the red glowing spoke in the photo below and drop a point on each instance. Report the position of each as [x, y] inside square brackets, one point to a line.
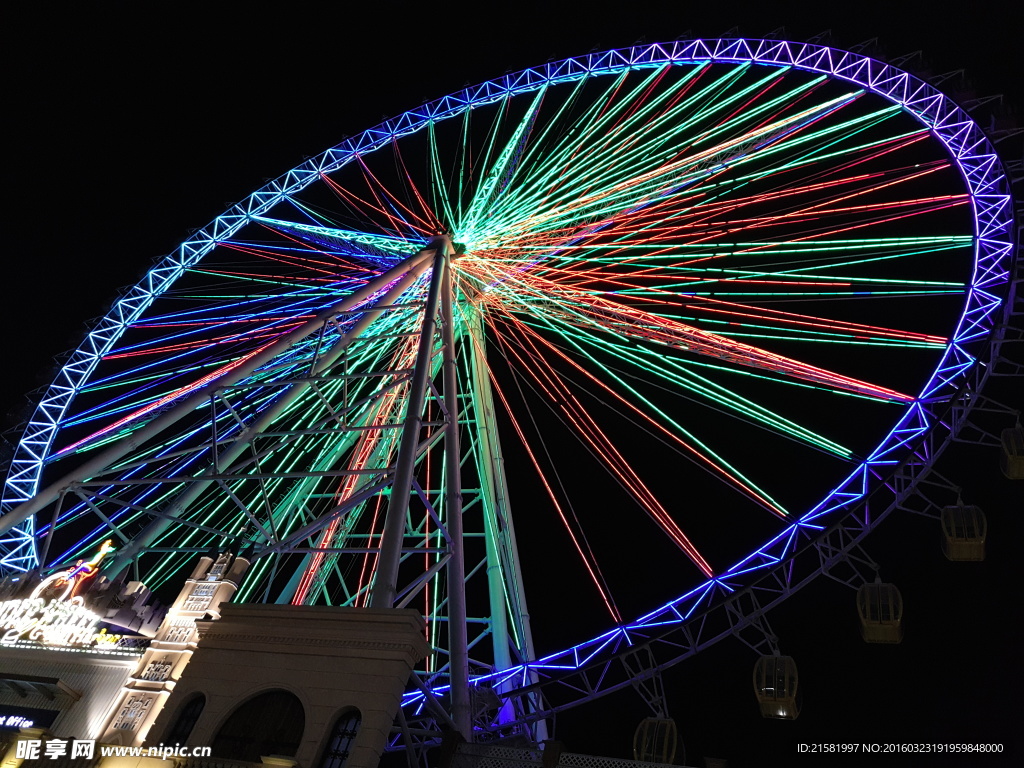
[317, 266]
[169, 398]
[576, 534]
[366, 446]
[434, 225]
[428, 222]
[629, 222]
[602, 446]
[670, 299]
[793, 318]
[716, 468]
[582, 309]
[394, 224]
[168, 349]
[328, 267]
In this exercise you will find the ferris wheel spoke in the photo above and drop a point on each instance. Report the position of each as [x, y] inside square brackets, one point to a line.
[677, 374]
[645, 187]
[636, 160]
[304, 339]
[685, 209]
[533, 293]
[666, 429]
[664, 290]
[377, 249]
[314, 438]
[192, 396]
[182, 339]
[317, 436]
[564, 509]
[375, 203]
[503, 169]
[576, 416]
[171, 369]
[676, 223]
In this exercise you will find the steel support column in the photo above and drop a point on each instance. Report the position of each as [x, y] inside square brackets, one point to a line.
[385, 585]
[265, 419]
[458, 641]
[504, 572]
[198, 398]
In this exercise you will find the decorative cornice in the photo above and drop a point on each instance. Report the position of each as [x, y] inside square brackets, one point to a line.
[211, 637]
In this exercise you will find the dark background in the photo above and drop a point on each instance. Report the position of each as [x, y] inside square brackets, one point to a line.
[128, 126]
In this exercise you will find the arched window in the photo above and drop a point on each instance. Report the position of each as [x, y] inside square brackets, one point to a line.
[269, 724]
[187, 718]
[342, 738]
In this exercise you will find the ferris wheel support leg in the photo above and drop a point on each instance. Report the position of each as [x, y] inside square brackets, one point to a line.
[385, 583]
[223, 460]
[495, 504]
[385, 586]
[191, 402]
[504, 572]
[457, 634]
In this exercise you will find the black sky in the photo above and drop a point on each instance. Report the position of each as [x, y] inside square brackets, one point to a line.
[128, 128]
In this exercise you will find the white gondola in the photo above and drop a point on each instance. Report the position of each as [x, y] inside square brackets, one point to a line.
[964, 528]
[880, 607]
[655, 740]
[775, 685]
[1011, 460]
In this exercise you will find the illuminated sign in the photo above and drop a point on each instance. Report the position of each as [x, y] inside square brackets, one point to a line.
[69, 580]
[26, 717]
[61, 620]
[53, 622]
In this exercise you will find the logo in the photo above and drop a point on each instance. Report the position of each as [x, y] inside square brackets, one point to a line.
[53, 614]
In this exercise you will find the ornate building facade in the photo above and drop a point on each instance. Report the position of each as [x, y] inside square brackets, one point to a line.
[265, 684]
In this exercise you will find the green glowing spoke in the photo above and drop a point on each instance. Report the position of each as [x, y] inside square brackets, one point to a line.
[674, 372]
[731, 473]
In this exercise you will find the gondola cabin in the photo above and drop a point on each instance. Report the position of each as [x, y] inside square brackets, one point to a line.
[655, 740]
[964, 528]
[880, 607]
[1011, 460]
[775, 685]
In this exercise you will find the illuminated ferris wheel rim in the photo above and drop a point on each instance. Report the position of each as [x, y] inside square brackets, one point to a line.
[965, 143]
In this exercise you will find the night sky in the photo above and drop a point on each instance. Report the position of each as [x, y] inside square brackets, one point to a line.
[127, 130]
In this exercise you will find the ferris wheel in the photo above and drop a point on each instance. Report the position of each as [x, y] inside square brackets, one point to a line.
[667, 329]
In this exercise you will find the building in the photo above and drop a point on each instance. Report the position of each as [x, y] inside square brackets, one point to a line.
[269, 684]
